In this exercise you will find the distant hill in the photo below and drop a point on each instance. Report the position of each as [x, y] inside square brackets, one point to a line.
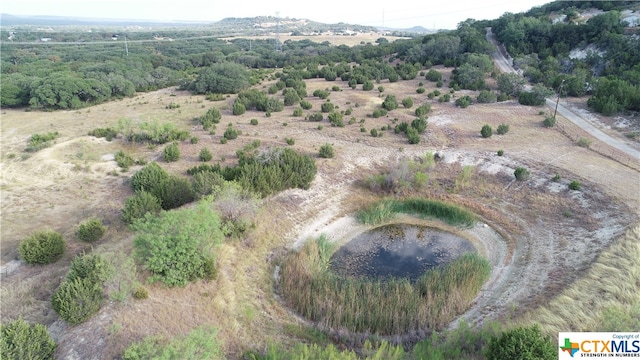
[249, 25]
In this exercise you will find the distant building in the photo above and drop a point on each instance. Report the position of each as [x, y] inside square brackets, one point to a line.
[114, 37]
[45, 39]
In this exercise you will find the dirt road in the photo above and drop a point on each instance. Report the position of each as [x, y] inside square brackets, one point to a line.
[503, 61]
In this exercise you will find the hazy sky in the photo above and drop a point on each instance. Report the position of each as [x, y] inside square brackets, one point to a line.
[441, 14]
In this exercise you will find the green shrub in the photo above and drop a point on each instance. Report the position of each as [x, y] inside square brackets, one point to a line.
[214, 97]
[486, 97]
[549, 121]
[390, 103]
[253, 121]
[91, 230]
[556, 178]
[211, 117]
[500, 152]
[205, 155]
[297, 112]
[464, 101]
[140, 293]
[423, 110]
[574, 185]
[407, 102]
[502, 129]
[107, 133]
[171, 153]
[584, 142]
[230, 133]
[43, 247]
[91, 266]
[290, 141]
[174, 192]
[413, 135]
[322, 94]
[444, 98]
[40, 141]
[172, 106]
[336, 119]
[223, 140]
[374, 132]
[326, 107]
[77, 300]
[326, 151]
[194, 140]
[306, 104]
[204, 182]
[433, 75]
[367, 85]
[522, 343]
[176, 245]
[439, 84]
[123, 160]
[486, 131]
[238, 108]
[148, 177]
[521, 173]
[420, 90]
[420, 124]
[316, 116]
[19, 340]
[138, 205]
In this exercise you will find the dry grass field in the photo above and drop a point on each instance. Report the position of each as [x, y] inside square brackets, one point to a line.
[553, 240]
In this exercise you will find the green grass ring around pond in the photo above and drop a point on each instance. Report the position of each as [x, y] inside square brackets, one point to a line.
[383, 307]
[384, 210]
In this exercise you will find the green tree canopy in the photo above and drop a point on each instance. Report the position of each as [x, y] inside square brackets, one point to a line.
[223, 78]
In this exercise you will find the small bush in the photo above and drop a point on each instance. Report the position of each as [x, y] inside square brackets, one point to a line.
[230, 133]
[326, 107]
[584, 142]
[253, 121]
[43, 247]
[326, 151]
[423, 110]
[374, 132]
[148, 177]
[556, 178]
[172, 106]
[486, 97]
[502, 97]
[174, 192]
[138, 205]
[204, 182]
[502, 129]
[336, 119]
[316, 117]
[444, 98]
[522, 343]
[214, 97]
[205, 155]
[500, 152]
[464, 101]
[420, 90]
[40, 141]
[140, 293]
[297, 112]
[107, 133]
[77, 300]
[322, 94]
[549, 121]
[91, 230]
[290, 141]
[306, 104]
[171, 153]
[486, 131]
[390, 103]
[123, 160]
[223, 140]
[238, 108]
[19, 340]
[367, 85]
[574, 185]
[433, 75]
[420, 124]
[413, 135]
[407, 102]
[521, 173]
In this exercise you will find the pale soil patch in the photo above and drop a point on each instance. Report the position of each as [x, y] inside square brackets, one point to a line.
[543, 249]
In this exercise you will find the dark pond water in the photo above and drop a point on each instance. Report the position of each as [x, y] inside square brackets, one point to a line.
[398, 250]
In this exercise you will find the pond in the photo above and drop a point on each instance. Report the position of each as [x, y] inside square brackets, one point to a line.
[398, 250]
